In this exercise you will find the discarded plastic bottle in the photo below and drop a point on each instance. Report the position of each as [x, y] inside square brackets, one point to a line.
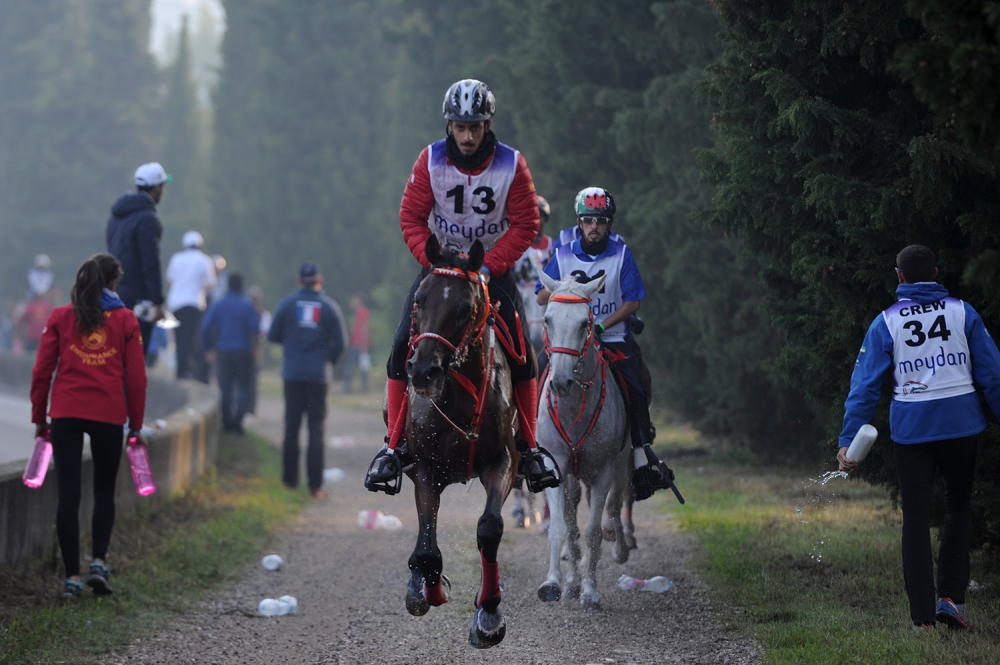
[657, 584]
[376, 519]
[38, 465]
[272, 562]
[138, 459]
[270, 607]
[862, 443]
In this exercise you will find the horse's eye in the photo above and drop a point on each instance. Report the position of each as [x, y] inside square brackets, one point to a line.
[419, 299]
[584, 325]
[464, 311]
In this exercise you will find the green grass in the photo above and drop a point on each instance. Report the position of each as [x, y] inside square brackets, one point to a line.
[163, 560]
[814, 573]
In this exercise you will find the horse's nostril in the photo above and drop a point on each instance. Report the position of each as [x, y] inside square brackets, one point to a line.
[409, 368]
[435, 372]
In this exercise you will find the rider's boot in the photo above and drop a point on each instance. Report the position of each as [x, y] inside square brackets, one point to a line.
[385, 473]
[649, 472]
[537, 467]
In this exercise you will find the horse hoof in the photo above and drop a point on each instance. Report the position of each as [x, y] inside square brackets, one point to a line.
[549, 592]
[620, 552]
[440, 593]
[590, 602]
[631, 542]
[488, 629]
[573, 590]
[416, 605]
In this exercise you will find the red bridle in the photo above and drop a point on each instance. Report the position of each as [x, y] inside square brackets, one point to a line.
[602, 365]
[472, 336]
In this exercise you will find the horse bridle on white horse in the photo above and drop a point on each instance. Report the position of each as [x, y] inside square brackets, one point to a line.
[581, 354]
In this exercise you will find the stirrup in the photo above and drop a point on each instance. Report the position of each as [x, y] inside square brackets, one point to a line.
[385, 473]
[651, 476]
[540, 470]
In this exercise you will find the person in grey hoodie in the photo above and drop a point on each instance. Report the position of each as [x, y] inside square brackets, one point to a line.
[133, 237]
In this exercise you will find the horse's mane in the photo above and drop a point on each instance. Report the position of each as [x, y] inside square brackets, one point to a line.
[451, 258]
[571, 287]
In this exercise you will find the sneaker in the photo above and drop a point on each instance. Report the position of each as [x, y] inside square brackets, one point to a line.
[518, 515]
[923, 627]
[100, 579]
[71, 590]
[950, 612]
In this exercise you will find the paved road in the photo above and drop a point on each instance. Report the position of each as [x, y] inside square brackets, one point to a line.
[17, 434]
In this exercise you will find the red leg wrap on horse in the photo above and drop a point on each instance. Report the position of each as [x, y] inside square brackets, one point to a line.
[490, 587]
[395, 397]
[436, 595]
[526, 398]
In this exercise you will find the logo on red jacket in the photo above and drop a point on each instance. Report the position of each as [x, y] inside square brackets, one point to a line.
[596, 201]
[95, 340]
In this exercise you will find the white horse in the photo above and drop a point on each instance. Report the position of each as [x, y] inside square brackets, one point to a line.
[582, 421]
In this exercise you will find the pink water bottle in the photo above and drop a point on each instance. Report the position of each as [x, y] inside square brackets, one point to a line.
[138, 459]
[38, 465]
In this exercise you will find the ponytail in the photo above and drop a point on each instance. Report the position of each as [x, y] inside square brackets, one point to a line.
[96, 274]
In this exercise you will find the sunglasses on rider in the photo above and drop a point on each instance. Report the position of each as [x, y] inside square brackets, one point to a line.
[587, 220]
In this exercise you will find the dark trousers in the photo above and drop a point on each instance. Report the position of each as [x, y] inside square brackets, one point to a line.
[352, 365]
[630, 370]
[236, 375]
[145, 327]
[502, 288]
[915, 467]
[191, 363]
[67, 450]
[303, 397]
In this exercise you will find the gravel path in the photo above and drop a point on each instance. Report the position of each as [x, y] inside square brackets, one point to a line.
[350, 583]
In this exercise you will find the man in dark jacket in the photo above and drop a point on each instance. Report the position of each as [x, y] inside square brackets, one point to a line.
[310, 326]
[133, 237]
[229, 334]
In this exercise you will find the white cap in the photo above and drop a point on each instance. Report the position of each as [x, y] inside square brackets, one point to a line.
[151, 175]
[193, 239]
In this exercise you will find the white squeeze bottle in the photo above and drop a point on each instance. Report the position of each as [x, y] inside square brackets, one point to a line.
[862, 443]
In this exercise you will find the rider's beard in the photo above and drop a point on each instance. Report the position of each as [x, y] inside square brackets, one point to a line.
[476, 159]
[595, 248]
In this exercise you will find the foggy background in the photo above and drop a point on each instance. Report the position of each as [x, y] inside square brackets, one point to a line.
[767, 164]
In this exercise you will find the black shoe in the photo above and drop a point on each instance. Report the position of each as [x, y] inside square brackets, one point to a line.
[100, 579]
[71, 590]
[539, 470]
[385, 473]
[651, 476]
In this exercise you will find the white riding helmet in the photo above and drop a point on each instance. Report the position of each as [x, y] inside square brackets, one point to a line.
[469, 100]
[193, 239]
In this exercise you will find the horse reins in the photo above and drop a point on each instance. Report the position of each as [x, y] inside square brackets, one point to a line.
[602, 365]
[472, 335]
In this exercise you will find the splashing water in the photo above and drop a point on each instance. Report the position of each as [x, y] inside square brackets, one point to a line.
[814, 501]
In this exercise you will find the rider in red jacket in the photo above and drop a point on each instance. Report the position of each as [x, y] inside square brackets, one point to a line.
[464, 187]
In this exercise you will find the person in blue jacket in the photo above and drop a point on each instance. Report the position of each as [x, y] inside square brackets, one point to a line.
[133, 237]
[229, 335]
[310, 326]
[938, 351]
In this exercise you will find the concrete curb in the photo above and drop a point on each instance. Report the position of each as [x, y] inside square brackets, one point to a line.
[178, 452]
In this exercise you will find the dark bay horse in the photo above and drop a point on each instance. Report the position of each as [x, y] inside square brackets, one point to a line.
[460, 425]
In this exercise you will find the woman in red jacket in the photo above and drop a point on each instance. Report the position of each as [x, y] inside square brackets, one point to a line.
[100, 383]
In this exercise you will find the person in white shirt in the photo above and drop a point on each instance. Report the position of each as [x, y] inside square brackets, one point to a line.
[191, 275]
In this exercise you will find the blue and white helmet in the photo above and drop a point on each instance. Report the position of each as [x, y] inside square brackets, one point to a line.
[469, 100]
